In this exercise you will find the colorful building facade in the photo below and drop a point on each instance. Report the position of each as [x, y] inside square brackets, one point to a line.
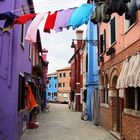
[52, 87]
[14, 61]
[119, 106]
[92, 72]
[76, 62]
[64, 85]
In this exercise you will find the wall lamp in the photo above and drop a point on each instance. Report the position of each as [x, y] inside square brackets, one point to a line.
[92, 42]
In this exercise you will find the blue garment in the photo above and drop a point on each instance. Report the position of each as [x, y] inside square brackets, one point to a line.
[80, 16]
[9, 19]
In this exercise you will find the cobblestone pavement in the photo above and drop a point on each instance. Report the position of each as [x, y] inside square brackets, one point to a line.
[63, 124]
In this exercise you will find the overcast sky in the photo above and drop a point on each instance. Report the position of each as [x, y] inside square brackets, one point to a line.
[57, 44]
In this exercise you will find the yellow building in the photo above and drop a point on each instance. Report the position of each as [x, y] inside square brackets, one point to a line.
[64, 89]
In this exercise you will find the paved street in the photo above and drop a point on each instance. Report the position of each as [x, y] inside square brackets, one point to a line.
[63, 124]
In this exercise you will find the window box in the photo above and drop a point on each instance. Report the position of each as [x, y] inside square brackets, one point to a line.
[110, 51]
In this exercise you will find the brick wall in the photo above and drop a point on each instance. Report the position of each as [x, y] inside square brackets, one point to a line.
[131, 127]
[130, 124]
[105, 118]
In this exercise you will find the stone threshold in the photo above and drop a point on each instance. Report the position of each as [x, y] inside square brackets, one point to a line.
[116, 135]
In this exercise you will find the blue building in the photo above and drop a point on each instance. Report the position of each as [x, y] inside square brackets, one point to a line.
[51, 90]
[92, 72]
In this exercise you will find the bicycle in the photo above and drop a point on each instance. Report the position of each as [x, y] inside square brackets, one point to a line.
[84, 115]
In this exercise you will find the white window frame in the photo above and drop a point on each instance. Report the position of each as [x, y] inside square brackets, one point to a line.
[126, 25]
[22, 36]
[81, 95]
[30, 52]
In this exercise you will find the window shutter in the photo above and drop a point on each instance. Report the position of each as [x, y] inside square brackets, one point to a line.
[113, 32]
[101, 44]
[104, 41]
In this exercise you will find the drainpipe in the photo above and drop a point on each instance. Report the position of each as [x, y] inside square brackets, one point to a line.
[98, 43]
[10, 52]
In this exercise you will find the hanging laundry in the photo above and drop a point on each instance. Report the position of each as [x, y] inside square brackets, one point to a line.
[99, 1]
[126, 1]
[50, 21]
[9, 20]
[138, 4]
[131, 10]
[31, 34]
[62, 19]
[99, 14]
[24, 18]
[31, 102]
[80, 16]
[116, 6]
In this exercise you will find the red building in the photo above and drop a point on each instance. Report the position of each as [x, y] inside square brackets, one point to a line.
[76, 75]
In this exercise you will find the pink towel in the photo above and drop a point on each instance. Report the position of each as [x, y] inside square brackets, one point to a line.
[31, 35]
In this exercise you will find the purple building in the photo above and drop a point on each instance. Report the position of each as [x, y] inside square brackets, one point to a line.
[15, 60]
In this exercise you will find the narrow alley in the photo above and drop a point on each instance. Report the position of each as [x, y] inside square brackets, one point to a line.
[63, 124]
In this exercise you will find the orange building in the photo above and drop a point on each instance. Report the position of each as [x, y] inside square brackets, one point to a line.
[119, 61]
[64, 85]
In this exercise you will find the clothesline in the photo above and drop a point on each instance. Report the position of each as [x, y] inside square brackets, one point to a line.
[71, 17]
[26, 7]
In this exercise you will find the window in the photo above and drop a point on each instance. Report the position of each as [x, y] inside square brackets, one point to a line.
[59, 84]
[129, 23]
[49, 85]
[70, 74]
[30, 52]
[133, 98]
[112, 30]
[69, 84]
[85, 96]
[105, 90]
[55, 93]
[22, 35]
[103, 42]
[21, 93]
[63, 85]
[60, 74]
[65, 95]
[55, 85]
[64, 74]
[106, 94]
[49, 94]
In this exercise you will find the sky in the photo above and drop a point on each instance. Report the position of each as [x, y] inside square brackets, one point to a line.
[57, 44]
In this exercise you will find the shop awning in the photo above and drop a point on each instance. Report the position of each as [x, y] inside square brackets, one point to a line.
[120, 81]
[132, 80]
[130, 73]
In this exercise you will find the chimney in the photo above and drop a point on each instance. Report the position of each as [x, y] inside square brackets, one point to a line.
[79, 34]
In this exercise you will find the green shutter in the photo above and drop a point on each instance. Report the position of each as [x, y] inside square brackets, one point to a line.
[113, 31]
[104, 41]
[101, 44]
